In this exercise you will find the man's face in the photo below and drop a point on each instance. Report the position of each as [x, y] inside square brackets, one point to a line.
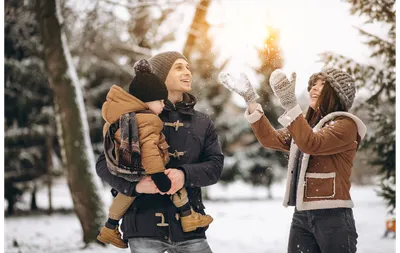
[179, 77]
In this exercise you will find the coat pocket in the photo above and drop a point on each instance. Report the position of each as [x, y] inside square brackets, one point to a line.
[320, 185]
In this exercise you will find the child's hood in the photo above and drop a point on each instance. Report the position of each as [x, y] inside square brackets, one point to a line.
[119, 102]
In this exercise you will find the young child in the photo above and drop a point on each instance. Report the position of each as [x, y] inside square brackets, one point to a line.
[146, 98]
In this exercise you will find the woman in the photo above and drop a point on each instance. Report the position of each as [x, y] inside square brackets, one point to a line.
[322, 148]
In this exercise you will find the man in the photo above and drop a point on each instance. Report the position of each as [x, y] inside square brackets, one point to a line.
[152, 222]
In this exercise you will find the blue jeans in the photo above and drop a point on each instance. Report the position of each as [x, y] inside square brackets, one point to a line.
[323, 231]
[147, 245]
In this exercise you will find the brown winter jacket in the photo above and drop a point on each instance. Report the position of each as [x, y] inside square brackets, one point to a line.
[153, 147]
[329, 150]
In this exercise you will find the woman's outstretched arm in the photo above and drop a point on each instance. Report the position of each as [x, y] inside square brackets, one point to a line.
[266, 134]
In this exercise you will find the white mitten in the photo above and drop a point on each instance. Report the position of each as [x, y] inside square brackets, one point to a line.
[284, 89]
[241, 86]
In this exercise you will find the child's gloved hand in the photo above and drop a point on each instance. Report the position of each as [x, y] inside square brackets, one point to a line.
[241, 86]
[284, 89]
[162, 181]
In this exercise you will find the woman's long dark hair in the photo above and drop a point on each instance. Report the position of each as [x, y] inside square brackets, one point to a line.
[327, 102]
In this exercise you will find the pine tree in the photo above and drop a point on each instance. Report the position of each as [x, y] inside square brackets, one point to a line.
[28, 100]
[201, 55]
[198, 49]
[379, 79]
[245, 158]
[266, 164]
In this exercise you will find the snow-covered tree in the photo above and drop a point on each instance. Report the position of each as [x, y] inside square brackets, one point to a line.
[212, 97]
[379, 78]
[201, 55]
[244, 157]
[106, 46]
[72, 124]
[262, 166]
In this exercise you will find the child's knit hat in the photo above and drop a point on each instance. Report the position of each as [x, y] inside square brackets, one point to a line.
[146, 85]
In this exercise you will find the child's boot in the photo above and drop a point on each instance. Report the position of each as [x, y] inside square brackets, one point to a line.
[111, 236]
[190, 220]
[195, 220]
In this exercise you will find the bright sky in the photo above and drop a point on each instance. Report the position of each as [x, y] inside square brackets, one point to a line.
[307, 27]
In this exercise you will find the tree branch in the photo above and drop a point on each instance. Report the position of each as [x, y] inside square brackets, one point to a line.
[362, 31]
[142, 5]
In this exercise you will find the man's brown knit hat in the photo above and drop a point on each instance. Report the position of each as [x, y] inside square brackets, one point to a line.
[161, 63]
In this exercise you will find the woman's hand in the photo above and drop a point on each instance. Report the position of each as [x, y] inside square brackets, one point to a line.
[241, 86]
[147, 186]
[284, 89]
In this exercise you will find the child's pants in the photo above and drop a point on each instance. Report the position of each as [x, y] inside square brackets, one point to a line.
[180, 198]
[119, 205]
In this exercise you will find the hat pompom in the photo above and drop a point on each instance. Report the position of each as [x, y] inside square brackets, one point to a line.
[142, 66]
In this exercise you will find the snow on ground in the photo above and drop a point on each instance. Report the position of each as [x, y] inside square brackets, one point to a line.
[244, 221]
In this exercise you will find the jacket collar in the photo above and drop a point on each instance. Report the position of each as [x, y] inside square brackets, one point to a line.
[361, 127]
[186, 106]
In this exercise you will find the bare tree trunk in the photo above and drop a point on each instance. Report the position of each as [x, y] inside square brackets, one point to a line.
[72, 125]
[269, 189]
[11, 192]
[33, 197]
[199, 25]
[49, 145]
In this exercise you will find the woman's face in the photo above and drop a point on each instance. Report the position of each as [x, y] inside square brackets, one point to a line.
[315, 92]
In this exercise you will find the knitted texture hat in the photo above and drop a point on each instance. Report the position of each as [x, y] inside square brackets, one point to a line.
[146, 85]
[340, 81]
[162, 63]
